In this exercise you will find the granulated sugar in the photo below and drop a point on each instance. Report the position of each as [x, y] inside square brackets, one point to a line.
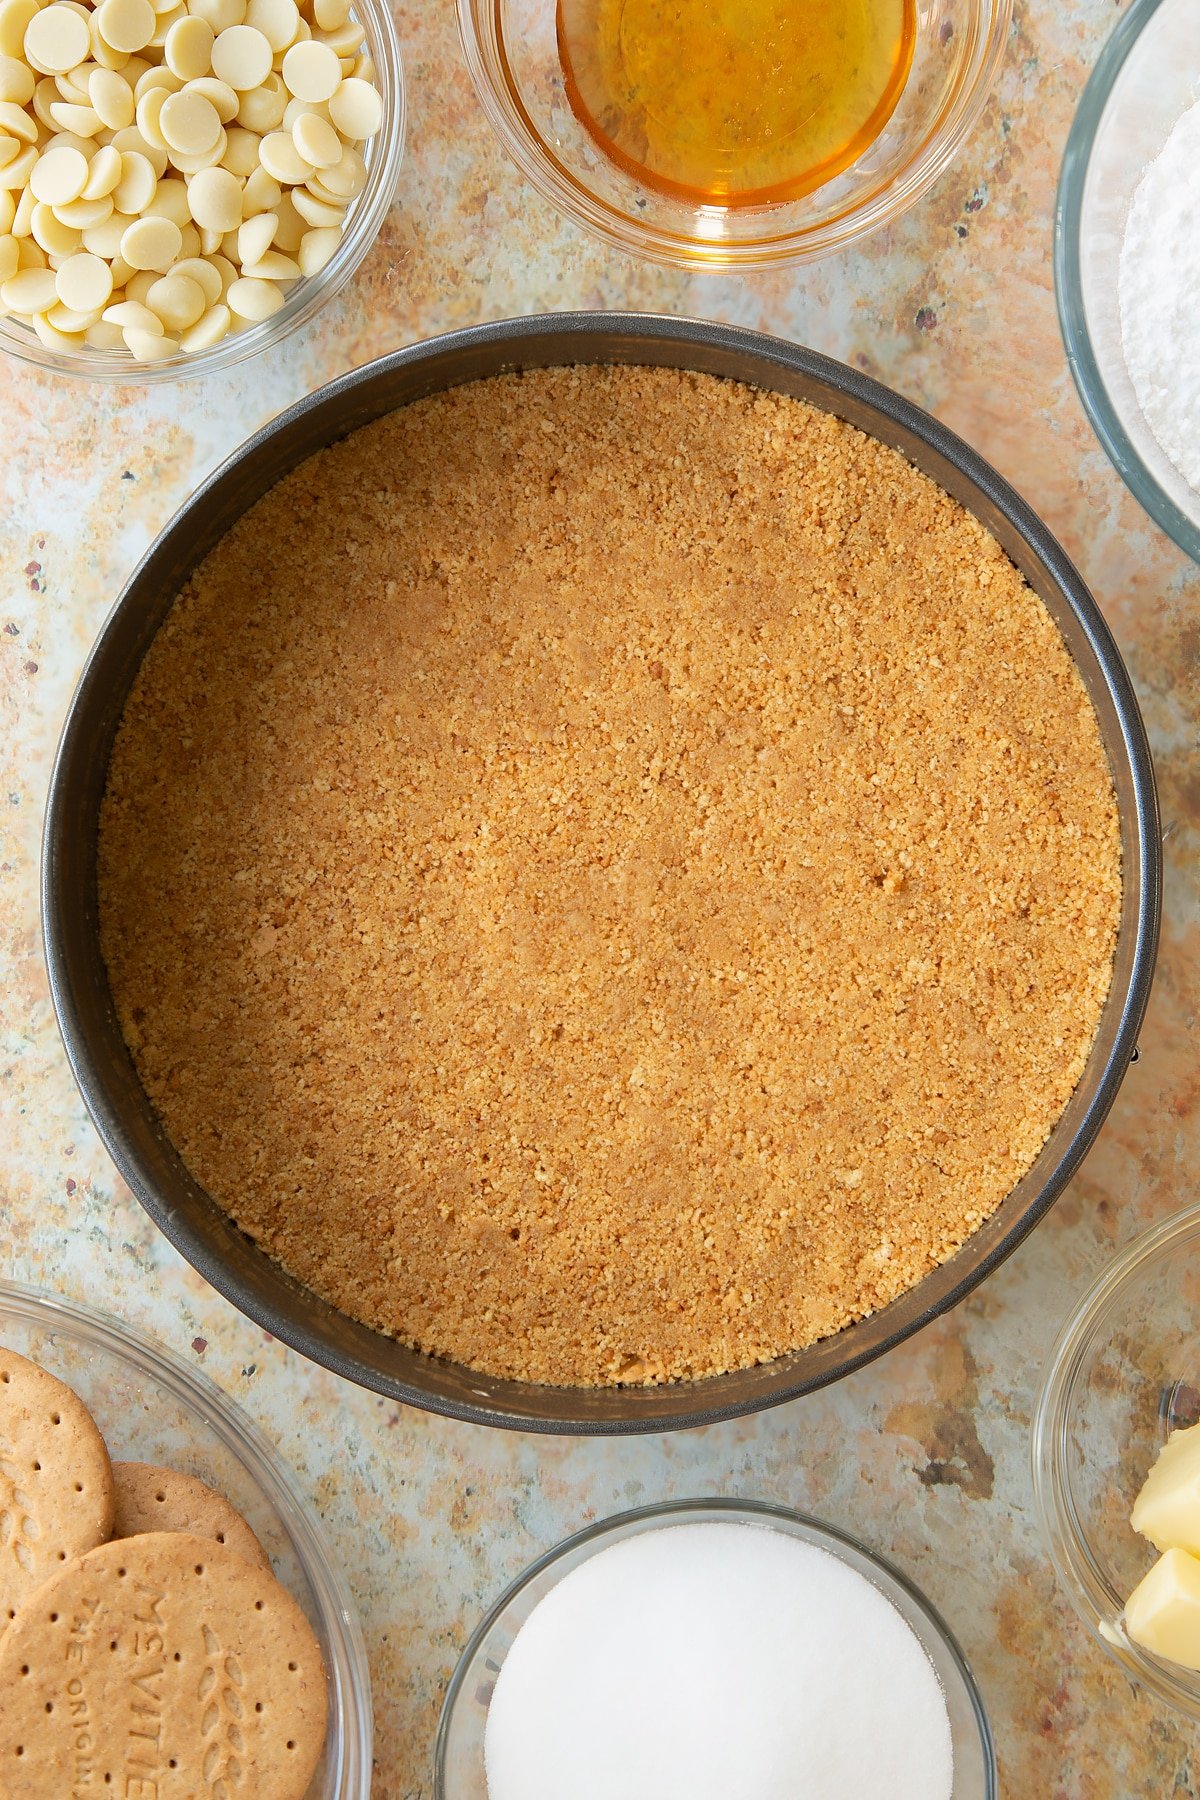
[1160, 296]
[717, 1662]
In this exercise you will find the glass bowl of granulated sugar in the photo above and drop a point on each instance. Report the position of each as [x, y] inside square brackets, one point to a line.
[711, 1648]
[1127, 258]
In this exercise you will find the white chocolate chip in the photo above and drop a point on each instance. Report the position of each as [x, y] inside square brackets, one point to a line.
[241, 151]
[177, 300]
[281, 159]
[56, 39]
[215, 197]
[15, 16]
[138, 182]
[189, 122]
[188, 48]
[356, 109]
[29, 291]
[242, 57]
[311, 71]
[84, 283]
[249, 299]
[83, 120]
[83, 213]
[255, 237]
[131, 315]
[151, 243]
[262, 193]
[104, 172]
[220, 14]
[102, 336]
[10, 257]
[317, 141]
[207, 331]
[273, 265]
[127, 24]
[112, 97]
[55, 237]
[149, 346]
[17, 81]
[52, 337]
[15, 122]
[204, 274]
[278, 20]
[318, 213]
[59, 175]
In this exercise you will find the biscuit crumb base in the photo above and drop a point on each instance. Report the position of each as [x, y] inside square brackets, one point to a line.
[609, 875]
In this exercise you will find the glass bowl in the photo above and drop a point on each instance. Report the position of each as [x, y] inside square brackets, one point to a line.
[1124, 1373]
[511, 50]
[151, 1408]
[458, 1772]
[1146, 77]
[382, 154]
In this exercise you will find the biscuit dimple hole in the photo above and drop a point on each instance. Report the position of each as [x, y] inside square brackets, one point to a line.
[258, 1606]
[177, 1657]
[160, 1497]
[56, 1418]
[121, 1572]
[199, 1568]
[5, 1377]
[79, 1487]
[62, 1556]
[24, 1668]
[37, 1466]
[113, 1645]
[258, 1706]
[291, 1743]
[292, 1667]
[54, 1618]
[220, 1537]
[49, 1706]
[171, 1763]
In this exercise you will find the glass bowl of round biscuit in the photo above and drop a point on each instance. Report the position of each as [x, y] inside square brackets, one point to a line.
[371, 136]
[150, 1407]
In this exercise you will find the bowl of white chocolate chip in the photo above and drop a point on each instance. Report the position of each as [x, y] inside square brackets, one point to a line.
[183, 182]
[1116, 1460]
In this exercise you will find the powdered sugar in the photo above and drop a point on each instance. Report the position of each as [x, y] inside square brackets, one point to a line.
[716, 1662]
[1159, 288]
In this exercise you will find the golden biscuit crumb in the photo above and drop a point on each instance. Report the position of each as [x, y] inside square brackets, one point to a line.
[609, 875]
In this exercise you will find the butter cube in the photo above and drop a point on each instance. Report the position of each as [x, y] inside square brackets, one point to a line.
[1163, 1612]
[1167, 1511]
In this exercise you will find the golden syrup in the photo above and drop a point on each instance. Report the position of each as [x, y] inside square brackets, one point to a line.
[735, 102]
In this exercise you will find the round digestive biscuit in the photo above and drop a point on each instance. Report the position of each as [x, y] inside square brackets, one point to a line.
[56, 1485]
[162, 1665]
[153, 1499]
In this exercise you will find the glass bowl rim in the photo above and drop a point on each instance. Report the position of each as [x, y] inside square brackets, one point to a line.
[746, 1512]
[1070, 1554]
[349, 1670]
[525, 147]
[1068, 288]
[308, 296]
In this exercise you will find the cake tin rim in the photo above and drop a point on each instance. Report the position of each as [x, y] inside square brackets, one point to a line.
[592, 330]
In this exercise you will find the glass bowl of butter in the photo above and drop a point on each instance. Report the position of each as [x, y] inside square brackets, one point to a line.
[726, 136]
[1116, 1460]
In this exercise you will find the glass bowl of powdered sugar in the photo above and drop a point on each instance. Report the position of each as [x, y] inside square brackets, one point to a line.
[1127, 258]
[708, 1649]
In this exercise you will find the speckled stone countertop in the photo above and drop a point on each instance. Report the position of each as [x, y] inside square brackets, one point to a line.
[925, 1454]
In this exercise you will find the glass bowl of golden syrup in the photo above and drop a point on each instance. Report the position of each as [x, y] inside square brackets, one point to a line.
[732, 133]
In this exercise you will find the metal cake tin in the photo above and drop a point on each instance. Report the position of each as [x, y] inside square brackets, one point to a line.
[119, 1107]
